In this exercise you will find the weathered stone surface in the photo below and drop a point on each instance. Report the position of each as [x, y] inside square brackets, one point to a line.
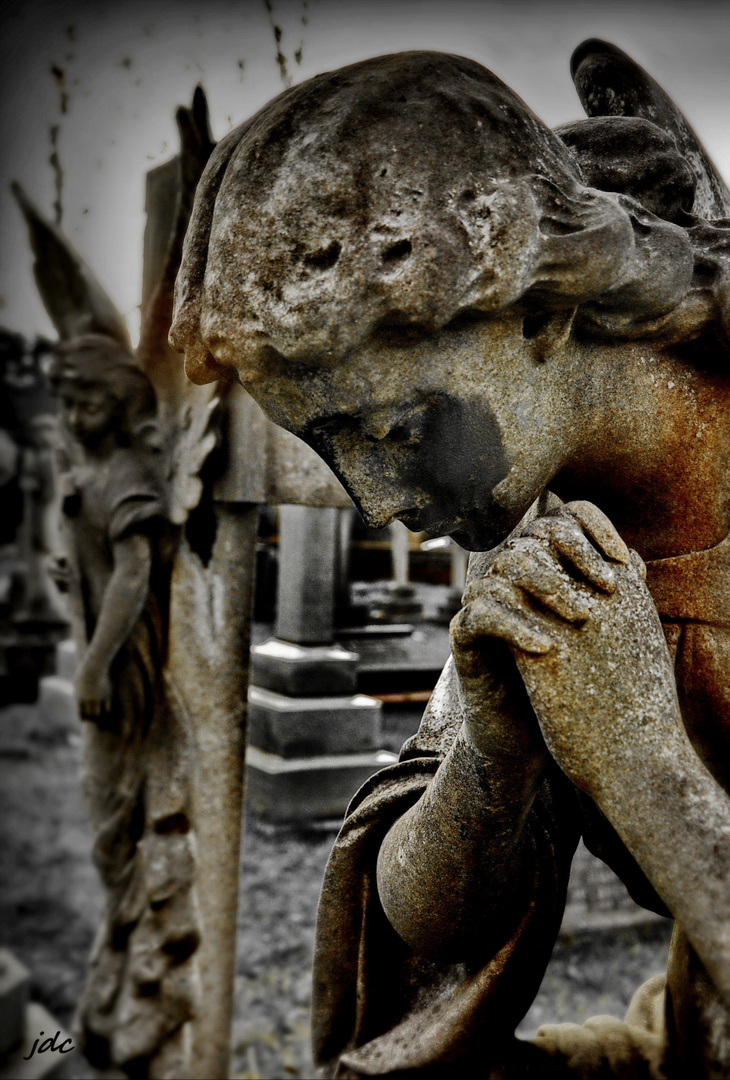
[456, 308]
[307, 789]
[303, 671]
[306, 726]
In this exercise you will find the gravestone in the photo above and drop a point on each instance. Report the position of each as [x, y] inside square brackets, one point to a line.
[313, 740]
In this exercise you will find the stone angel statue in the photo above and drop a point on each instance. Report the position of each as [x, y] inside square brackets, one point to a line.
[517, 337]
[135, 436]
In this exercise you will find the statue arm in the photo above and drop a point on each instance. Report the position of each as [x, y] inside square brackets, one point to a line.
[456, 871]
[674, 818]
[124, 600]
[604, 692]
[467, 849]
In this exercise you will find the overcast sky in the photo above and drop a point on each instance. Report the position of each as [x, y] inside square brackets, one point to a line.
[121, 69]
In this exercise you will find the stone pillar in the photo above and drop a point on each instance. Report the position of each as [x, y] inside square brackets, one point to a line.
[308, 545]
[210, 624]
[313, 740]
[400, 604]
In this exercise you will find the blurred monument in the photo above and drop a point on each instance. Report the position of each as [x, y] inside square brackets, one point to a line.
[31, 618]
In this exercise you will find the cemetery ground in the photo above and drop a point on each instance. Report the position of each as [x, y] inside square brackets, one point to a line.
[50, 902]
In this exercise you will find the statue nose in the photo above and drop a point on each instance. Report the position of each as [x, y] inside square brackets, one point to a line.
[377, 424]
[377, 427]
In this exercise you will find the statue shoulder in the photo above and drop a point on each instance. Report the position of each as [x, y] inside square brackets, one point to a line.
[136, 490]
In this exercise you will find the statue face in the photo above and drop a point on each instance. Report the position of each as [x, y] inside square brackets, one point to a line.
[453, 433]
[88, 412]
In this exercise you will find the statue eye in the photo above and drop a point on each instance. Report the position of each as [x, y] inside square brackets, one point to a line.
[324, 260]
[532, 325]
[400, 433]
[396, 331]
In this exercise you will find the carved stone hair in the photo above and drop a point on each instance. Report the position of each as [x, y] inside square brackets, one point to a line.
[409, 189]
[98, 361]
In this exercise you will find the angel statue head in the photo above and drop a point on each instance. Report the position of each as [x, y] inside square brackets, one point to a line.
[447, 300]
[105, 395]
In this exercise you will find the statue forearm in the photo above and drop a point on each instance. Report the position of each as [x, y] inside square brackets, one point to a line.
[124, 600]
[675, 819]
[450, 869]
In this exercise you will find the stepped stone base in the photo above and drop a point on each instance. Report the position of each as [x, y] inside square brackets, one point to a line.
[302, 727]
[303, 670]
[281, 789]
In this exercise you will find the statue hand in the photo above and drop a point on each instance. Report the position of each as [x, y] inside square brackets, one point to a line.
[506, 607]
[93, 692]
[605, 693]
[588, 644]
[560, 605]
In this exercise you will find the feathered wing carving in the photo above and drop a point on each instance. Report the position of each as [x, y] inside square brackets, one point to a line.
[193, 441]
[159, 360]
[78, 305]
[610, 83]
[184, 415]
[75, 301]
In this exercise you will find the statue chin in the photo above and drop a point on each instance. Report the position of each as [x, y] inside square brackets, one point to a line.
[485, 528]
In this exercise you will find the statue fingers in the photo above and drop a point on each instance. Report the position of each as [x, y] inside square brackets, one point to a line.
[505, 617]
[529, 565]
[569, 542]
[599, 528]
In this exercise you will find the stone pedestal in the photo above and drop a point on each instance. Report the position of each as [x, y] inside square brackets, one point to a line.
[289, 668]
[299, 727]
[312, 740]
[308, 789]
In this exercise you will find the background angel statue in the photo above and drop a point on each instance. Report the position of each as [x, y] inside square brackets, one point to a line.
[133, 442]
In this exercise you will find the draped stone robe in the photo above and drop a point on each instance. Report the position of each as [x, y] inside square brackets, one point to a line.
[141, 985]
[381, 1010]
